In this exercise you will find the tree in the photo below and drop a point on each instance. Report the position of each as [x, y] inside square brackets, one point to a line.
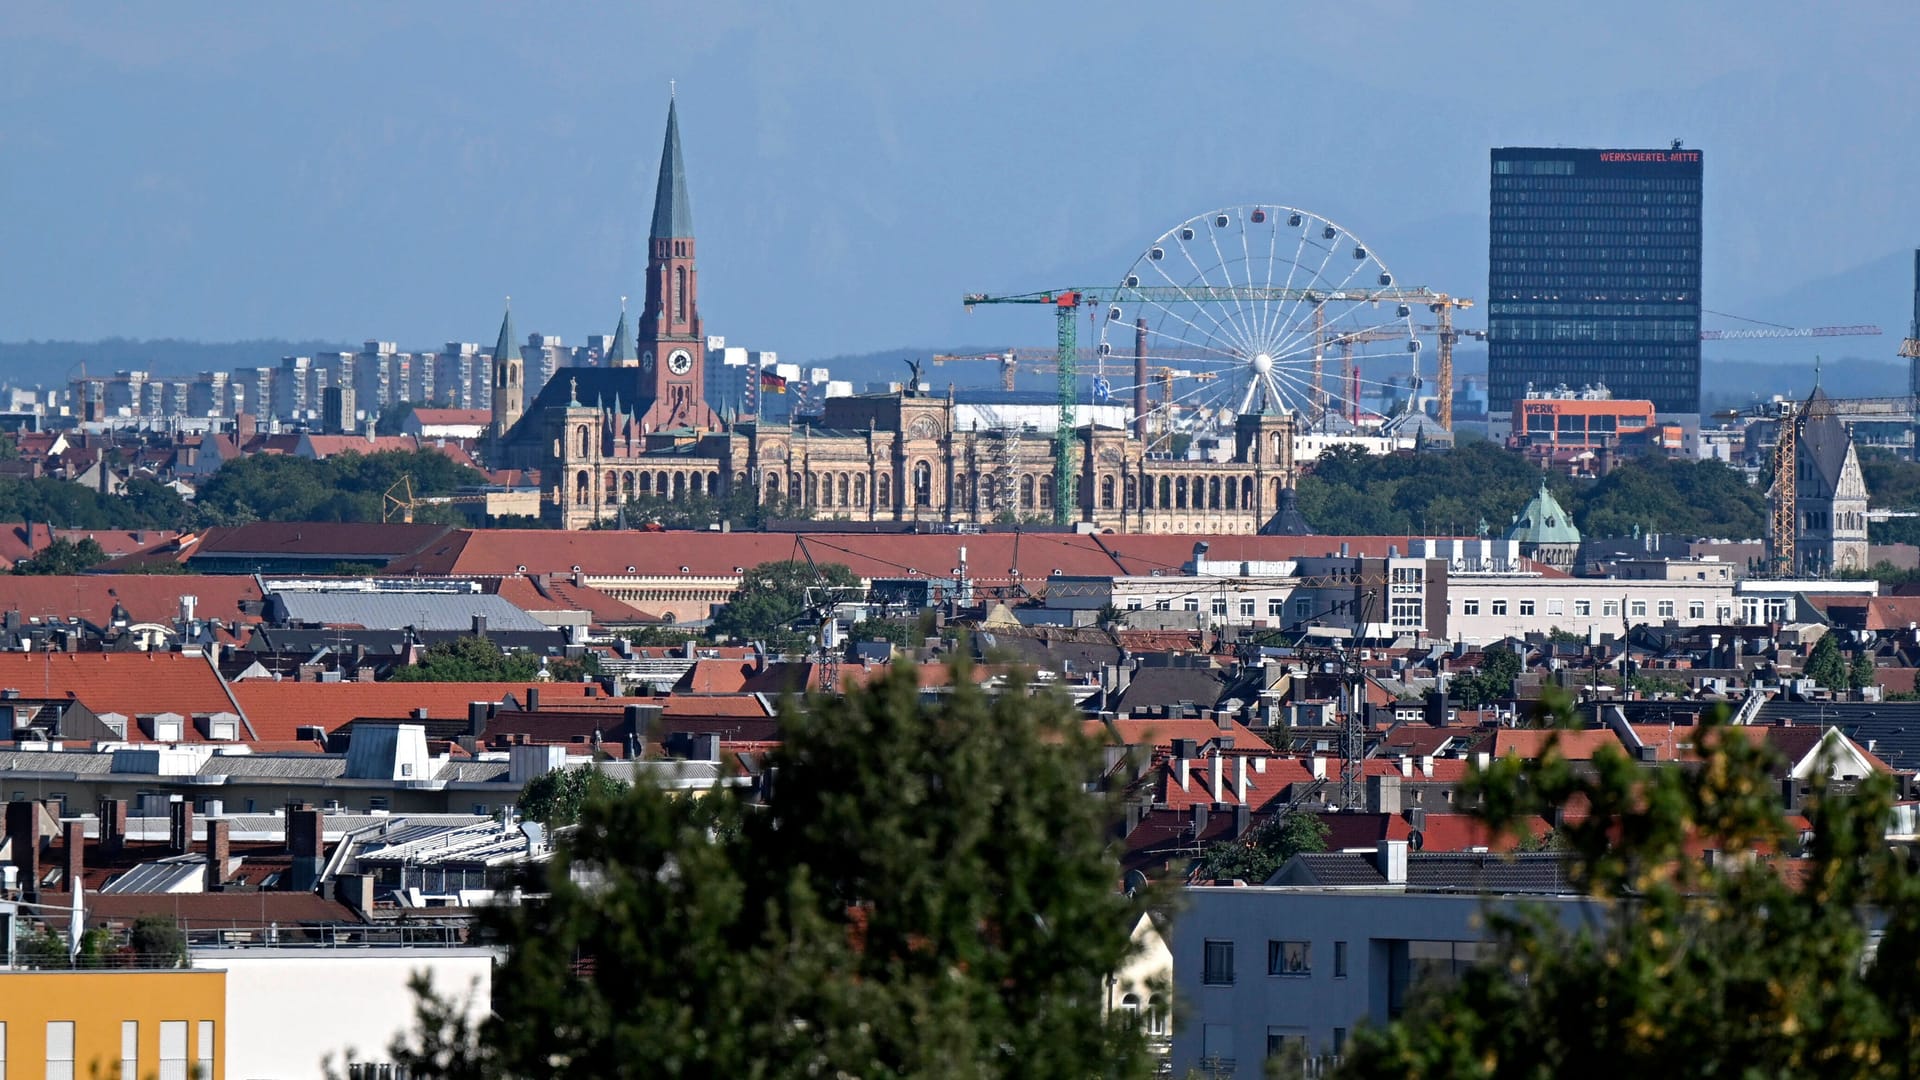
[1254, 857]
[773, 596]
[1860, 675]
[556, 798]
[470, 658]
[927, 891]
[1754, 964]
[1493, 682]
[158, 941]
[1826, 666]
[63, 556]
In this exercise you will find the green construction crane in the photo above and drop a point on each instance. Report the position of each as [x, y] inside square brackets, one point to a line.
[1068, 302]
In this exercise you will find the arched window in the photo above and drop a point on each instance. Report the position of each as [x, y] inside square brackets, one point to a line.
[699, 483]
[1026, 493]
[859, 490]
[1278, 487]
[773, 485]
[885, 489]
[1130, 1005]
[923, 484]
[646, 483]
[583, 441]
[1213, 493]
[1166, 493]
[987, 491]
[813, 490]
[581, 485]
[713, 483]
[846, 488]
[1180, 493]
[1106, 493]
[680, 294]
[611, 492]
[1246, 493]
[826, 491]
[679, 485]
[1156, 1017]
[1129, 494]
[660, 484]
[1233, 493]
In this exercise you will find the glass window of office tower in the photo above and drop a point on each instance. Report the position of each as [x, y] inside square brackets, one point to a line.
[1594, 274]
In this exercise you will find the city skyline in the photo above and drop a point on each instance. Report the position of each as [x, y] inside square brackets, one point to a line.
[255, 175]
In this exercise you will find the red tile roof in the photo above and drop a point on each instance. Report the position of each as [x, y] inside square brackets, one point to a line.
[146, 597]
[559, 594]
[15, 544]
[131, 684]
[469, 417]
[1530, 743]
[278, 709]
[318, 539]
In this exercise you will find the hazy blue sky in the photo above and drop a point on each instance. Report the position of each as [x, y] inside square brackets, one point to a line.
[350, 171]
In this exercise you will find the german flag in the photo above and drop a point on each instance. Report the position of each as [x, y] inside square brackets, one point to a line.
[771, 383]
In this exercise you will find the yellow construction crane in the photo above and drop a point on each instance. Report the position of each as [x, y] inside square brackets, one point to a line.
[400, 501]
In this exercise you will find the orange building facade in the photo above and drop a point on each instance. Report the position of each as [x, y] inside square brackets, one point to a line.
[113, 1023]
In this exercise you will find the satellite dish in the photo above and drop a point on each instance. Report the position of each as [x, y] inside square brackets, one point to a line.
[1135, 882]
[1416, 840]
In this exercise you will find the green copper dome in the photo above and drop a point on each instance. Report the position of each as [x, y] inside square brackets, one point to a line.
[1544, 521]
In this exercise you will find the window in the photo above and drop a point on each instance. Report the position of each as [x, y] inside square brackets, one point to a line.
[1216, 1047]
[1696, 609]
[1156, 1017]
[1163, 604]
[1219, 964]
[1276, 609]
[1470, 607]
[1556, 607]
[1409, 962]
[1339, 959]
[1526, 607]
[1666, 609]
[1130, 1005]
[1288, 958]
[129, 1050]
[204, 1052]
[60, 1050]
[1637, 609]
[1302, 608]
[1218, 608]
[1191, 603]
[1246, 609]
[1583, 608]
[1609, 608]
[173, 1050]
[1135, 604]
[1339, 1041]
[1287, 1042]
[1499, 607]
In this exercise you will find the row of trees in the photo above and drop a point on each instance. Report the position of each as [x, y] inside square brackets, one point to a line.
[1352, 492]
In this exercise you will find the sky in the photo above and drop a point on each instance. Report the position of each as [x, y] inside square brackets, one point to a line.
[366, 171]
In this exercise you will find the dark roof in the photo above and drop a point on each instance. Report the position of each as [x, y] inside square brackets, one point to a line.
[199, 911]
[317, 540]
[1890, 728]
[621, 353]
[1156, 687]
[672, 210]
[1824, 439]
[1436, 871]
[1287, 520]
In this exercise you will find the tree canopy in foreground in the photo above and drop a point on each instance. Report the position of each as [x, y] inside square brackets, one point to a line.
[928, 890]
[1751, 964]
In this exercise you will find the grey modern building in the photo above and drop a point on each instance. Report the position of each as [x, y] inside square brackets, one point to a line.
[1594, 275]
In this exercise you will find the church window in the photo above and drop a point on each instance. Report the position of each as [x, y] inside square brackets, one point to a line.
[859, 491]
[1106, 493]
[922, 484]
[1026, 493]
[680, 294]
[846, 484]
[584, 441]
[646, 483]
[1130, 494]
[1278, 487]
[773, 486]
[884, 490]
[679, 485]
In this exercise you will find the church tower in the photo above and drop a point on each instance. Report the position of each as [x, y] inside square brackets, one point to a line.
[509, 379]
[671, 343]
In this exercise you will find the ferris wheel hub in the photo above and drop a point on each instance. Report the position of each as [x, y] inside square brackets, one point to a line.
[1262, 363]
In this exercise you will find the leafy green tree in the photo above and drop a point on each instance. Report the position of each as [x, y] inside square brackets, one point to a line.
[1861, 673]
[739, 507]
[1826, 665]
[393, 416]
[773, 596]
[587, 666]
[1753, 964]
[659, 636]
[928, 891]
[63, 556]
[47, 501]
[1493, 682]
[470, 659]
[158, 941]
[1254, 857]
[345, 487]
[556, 798]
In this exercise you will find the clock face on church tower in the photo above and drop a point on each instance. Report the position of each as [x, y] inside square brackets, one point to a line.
[680, 361]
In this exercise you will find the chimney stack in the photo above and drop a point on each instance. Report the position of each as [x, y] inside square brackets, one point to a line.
[113, 825]
[218, 850]
[1391, 861]
[23, 833]
[477, 713]
[304, 833]
[180, 827]
[73, 842]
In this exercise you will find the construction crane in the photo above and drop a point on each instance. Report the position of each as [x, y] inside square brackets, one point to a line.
[400, 501]
[1443, 306]
[1164, 378]
[1764, 332]
[1068, 302]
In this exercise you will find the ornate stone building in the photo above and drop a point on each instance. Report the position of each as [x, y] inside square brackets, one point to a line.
[640, 427]
[1830, 494]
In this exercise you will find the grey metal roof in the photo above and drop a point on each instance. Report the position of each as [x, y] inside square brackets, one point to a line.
[21, 761]
[1434, 871]
[473, 772]
[672, 210]
[289, 766]
[394, 611]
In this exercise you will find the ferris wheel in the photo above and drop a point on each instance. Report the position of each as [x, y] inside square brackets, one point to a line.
[1260, 309]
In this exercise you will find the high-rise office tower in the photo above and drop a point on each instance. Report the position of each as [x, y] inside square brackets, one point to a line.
[1594, 275]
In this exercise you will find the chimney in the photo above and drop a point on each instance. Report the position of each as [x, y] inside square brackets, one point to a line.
[73, 842]
[180, 827]
[1219, 775]
[1391, 860]
[113, 825]
[1199, 820]
[1242, 820]
[355, 891]
[219, 848]
[480, 626]
[477, 713]
[1240, 779]
[420, 712]
[1383, 794]
[533, 699]
[23, 833]
[304, 832]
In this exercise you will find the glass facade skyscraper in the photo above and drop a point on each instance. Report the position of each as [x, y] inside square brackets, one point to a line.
[1594, 275]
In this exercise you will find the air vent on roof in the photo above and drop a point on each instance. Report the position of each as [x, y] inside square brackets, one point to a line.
[686, 570]
[522, 568]
[576, 568]
[632, 569]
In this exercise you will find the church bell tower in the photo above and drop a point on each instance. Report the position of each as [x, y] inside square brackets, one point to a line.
[671, 343]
